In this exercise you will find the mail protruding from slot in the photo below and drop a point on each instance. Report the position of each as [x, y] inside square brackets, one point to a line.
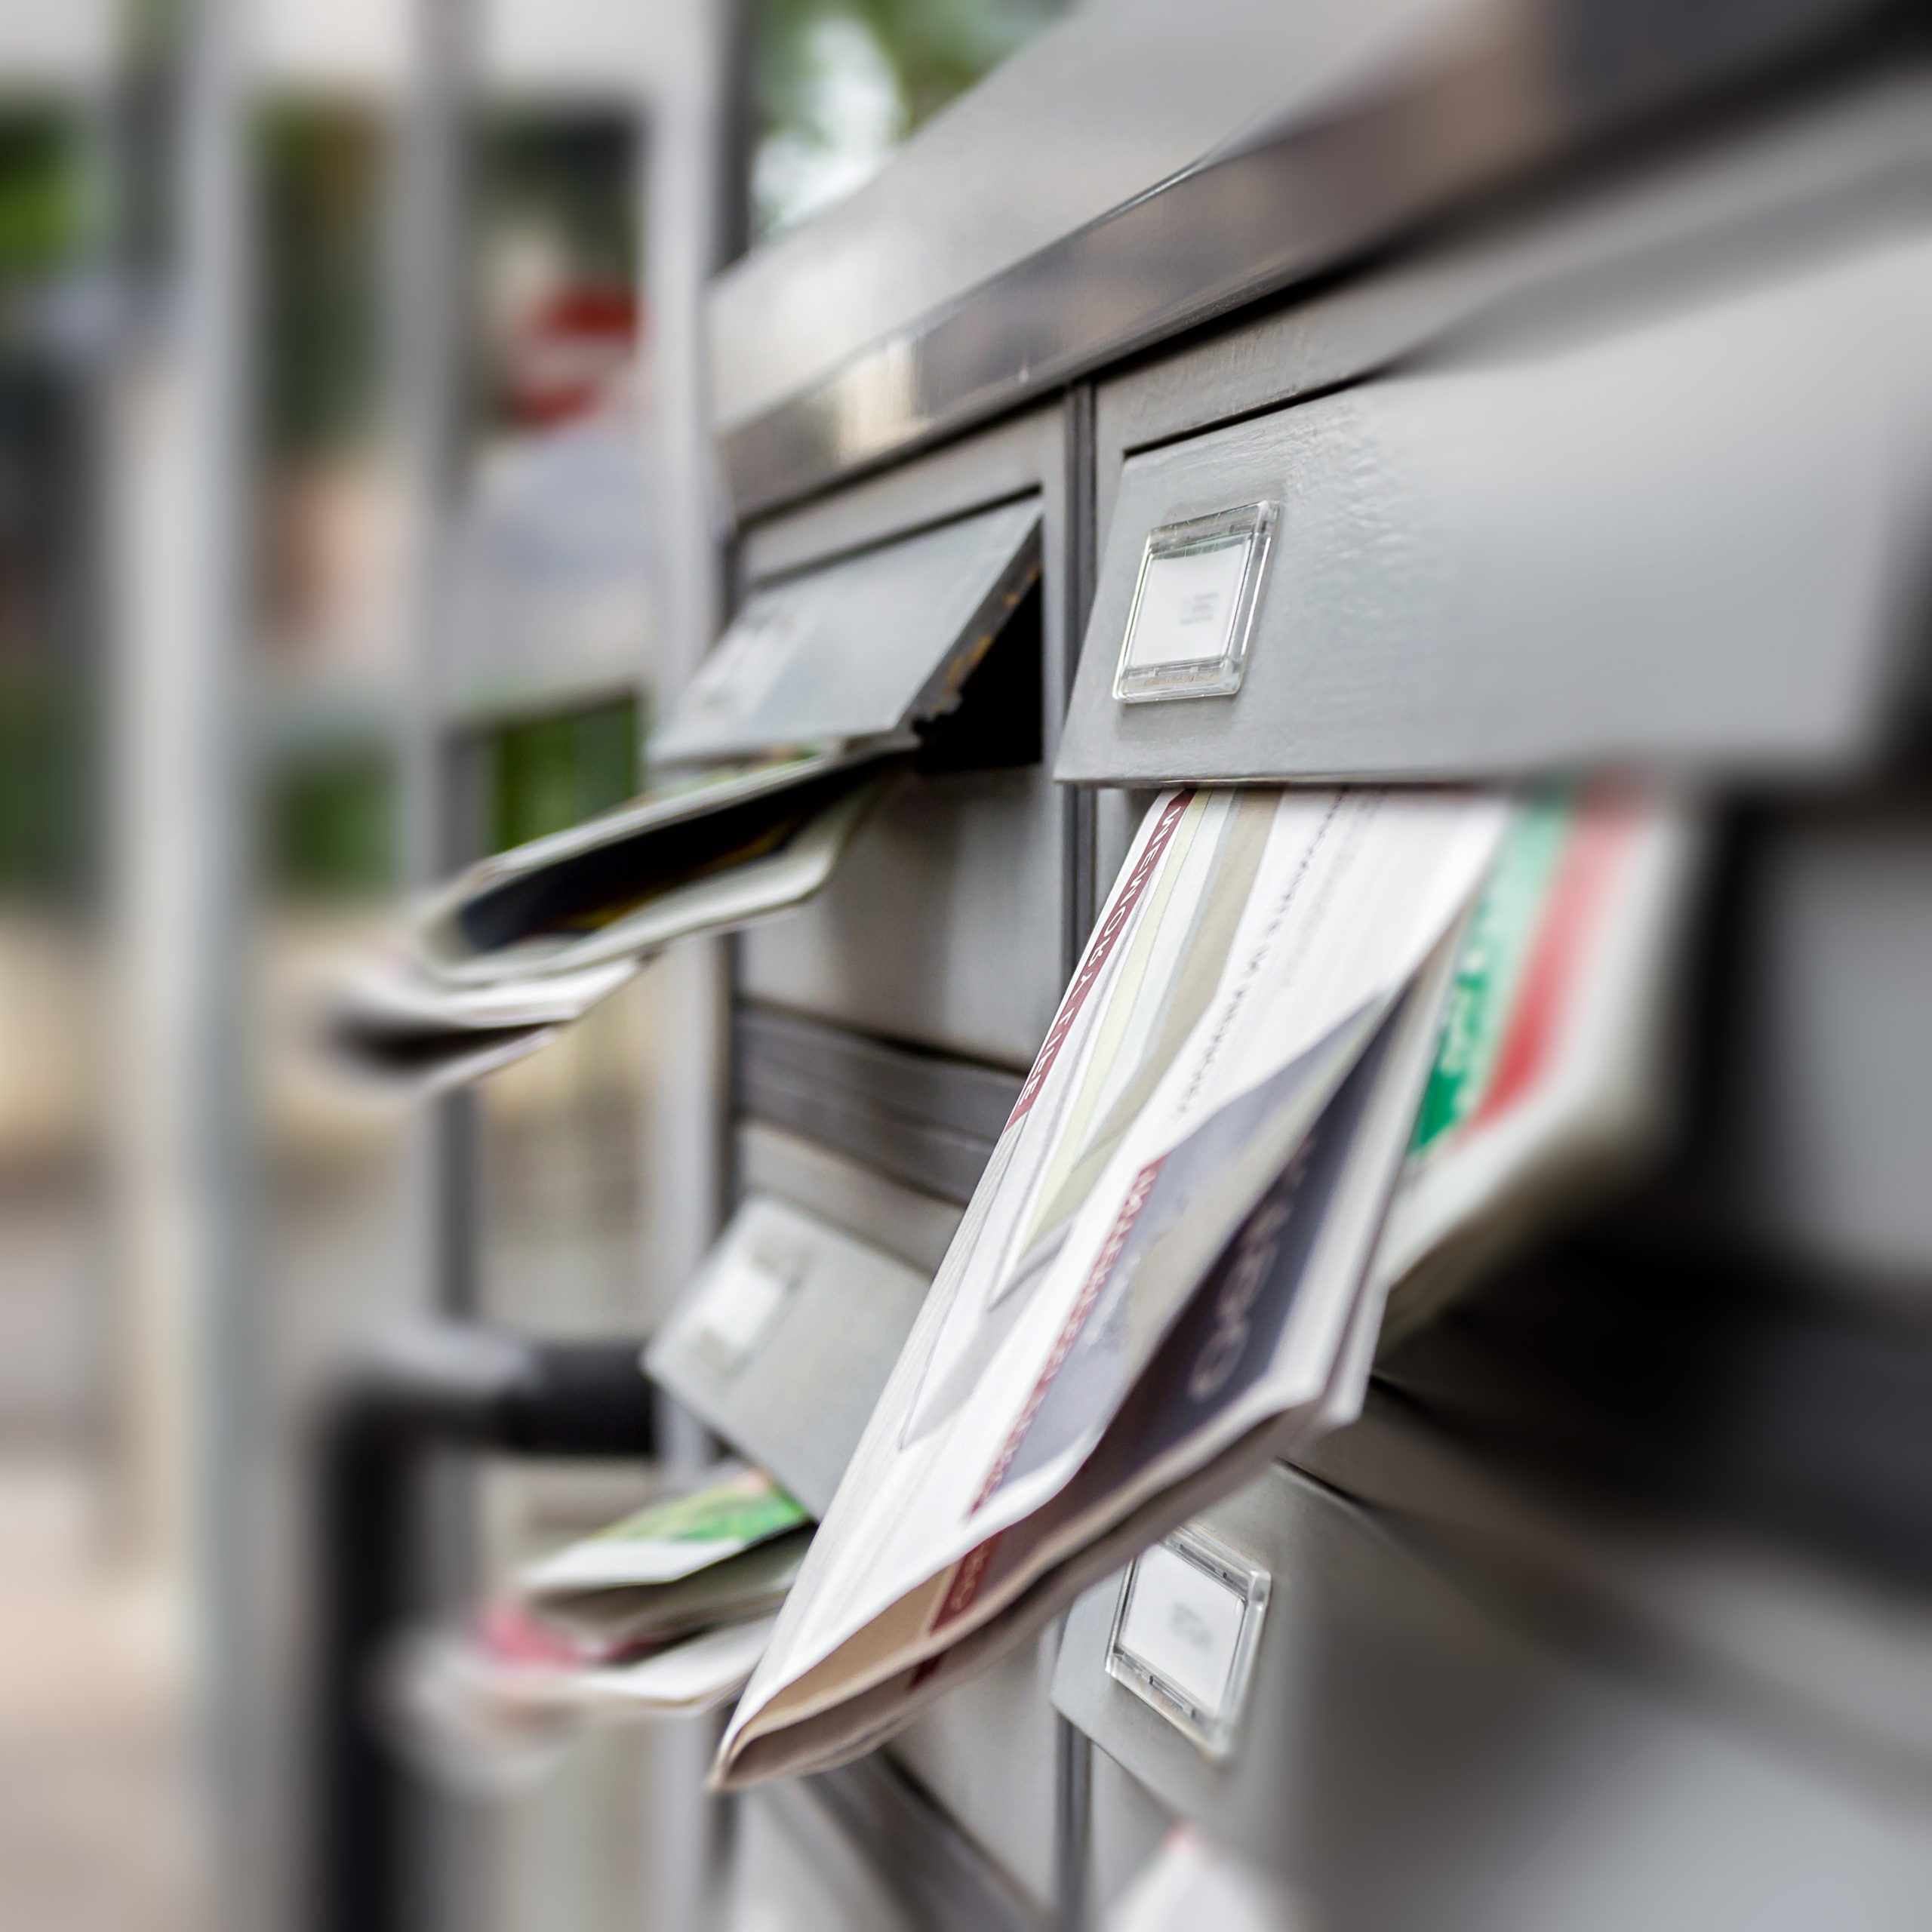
[826, 687]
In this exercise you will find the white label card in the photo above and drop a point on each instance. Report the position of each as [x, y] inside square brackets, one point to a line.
[1185, 1633]
[1194, 606]
[740, 1304]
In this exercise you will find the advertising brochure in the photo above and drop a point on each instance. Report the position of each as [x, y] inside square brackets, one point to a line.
[728, 1551]
[729, 845]
[1158, 1272]
[1550, 1081]
[396, 1029]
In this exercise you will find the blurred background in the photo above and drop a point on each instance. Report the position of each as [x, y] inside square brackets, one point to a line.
[333, 335]
[360, 509]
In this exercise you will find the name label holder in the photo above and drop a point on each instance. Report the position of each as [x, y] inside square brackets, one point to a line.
[740, 1306]
[1185, 1634]
[1194, 604]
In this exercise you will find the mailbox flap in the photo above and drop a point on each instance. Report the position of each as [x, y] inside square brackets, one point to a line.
[784, 1340]
[1391, 1702]
[1679, 543]
[868, 646]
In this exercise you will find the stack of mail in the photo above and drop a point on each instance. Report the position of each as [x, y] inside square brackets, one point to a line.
[663, 1613]
[1550, 1082]
[829, 681]
[1175, 1265]
[529, 940]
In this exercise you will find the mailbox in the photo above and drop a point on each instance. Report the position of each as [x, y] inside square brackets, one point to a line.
[1523, 558]
[1633, 475]
[945, 927]
[784, 1340]
[1415, 1750]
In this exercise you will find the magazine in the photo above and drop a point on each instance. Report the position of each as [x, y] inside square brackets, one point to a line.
[1247, 1036]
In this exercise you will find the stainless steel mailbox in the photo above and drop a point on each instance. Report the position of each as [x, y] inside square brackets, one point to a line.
[1632, 470]
[865, 646]
[784, 1340]
[945, 925]
[987, 1754]
[1412, 1758]
[1663, 541]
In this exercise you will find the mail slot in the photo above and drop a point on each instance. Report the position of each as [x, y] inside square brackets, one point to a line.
[784, 1340]
[944, 925]
[868, 1246]
[1588, 547]
[1408, 1754]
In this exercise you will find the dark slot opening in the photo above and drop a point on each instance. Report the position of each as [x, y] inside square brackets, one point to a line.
[998, 723]
[602, 885]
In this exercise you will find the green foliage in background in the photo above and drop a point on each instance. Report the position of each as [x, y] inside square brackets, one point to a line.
[43, 203]
[45, 739]
[938, 48]
[319, 228]
[573, 176]
[333, 827]
[51, 575]
[818, 64]
[553, 772]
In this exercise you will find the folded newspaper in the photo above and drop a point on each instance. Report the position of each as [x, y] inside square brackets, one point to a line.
[397, 1031]
[494, 1705]
[508, 1669]
[528, 940]
[1157, 1282]
[727, 845]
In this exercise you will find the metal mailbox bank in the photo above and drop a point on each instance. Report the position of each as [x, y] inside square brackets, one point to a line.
[1568, 362]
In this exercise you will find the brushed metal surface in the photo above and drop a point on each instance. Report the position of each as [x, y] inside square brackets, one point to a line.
[1091, 115]
[945, 926]
[793, 1865]
[1824, 1147]
[872, 1836]
[1058, 220]
[989, 1753]
[915, 1226]
[918, 1118]
[1413, 1759]
[865, 638]
[942, 924]
[1735, 203]
[1608, 548]
[798, 1406]
[1753, 1626]
[1126, 1825]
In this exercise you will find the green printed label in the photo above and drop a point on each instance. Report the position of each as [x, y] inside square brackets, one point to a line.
[1490, 968]
[744, 1509]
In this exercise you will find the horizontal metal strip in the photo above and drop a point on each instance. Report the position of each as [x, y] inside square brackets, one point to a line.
[932, 1158]
[906, 1083]
[1259, 219]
